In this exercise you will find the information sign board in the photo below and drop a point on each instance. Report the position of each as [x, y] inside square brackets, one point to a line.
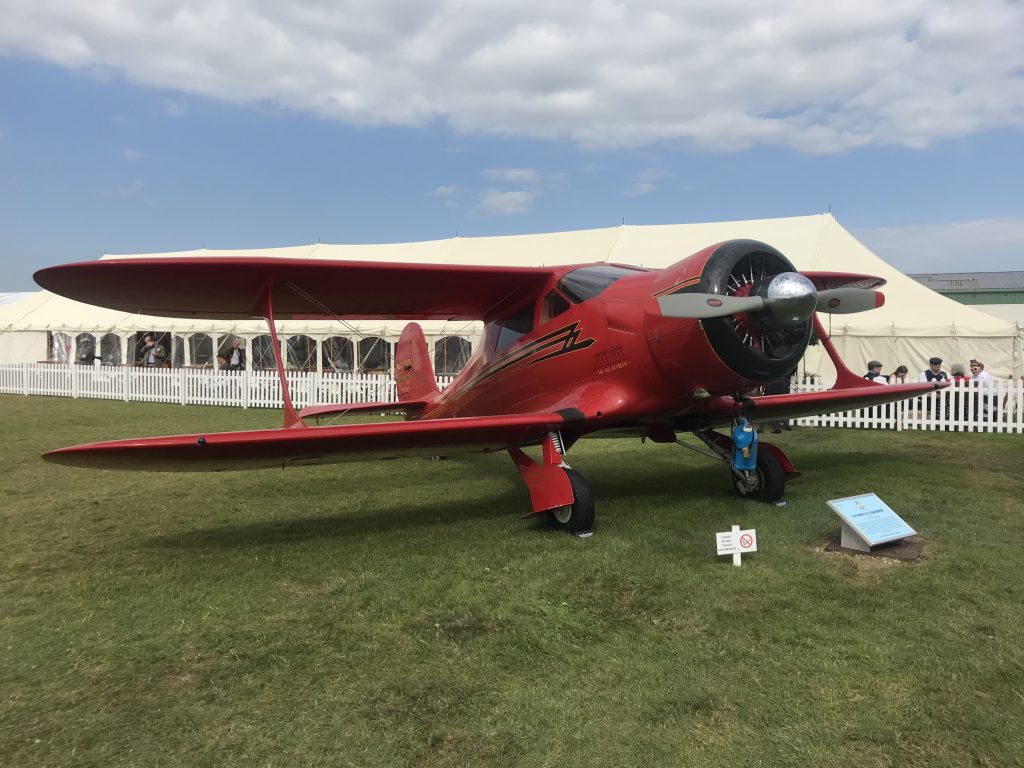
[868, 521]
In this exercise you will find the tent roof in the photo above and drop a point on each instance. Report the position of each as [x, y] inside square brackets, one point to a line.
[815, 242]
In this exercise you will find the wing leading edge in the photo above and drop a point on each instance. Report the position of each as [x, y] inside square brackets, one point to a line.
[316, 445]
[769, 407]
[235, 288]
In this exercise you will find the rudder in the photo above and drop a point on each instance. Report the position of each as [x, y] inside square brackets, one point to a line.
[414, 374]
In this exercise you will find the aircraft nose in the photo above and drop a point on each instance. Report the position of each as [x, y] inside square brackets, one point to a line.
[791, 298]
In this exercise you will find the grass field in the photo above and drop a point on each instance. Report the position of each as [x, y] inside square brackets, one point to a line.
[402, 614]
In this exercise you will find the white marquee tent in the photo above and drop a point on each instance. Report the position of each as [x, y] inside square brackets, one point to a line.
[915, 323]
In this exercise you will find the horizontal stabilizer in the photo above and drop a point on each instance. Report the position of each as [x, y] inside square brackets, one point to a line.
[315, 445]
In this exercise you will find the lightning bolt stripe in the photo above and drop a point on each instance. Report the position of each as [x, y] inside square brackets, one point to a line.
[678, 286]
[564, 341]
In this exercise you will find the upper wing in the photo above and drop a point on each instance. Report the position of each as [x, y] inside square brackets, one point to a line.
[769, 407]
[825, 281]
[234, 288]
[312, 445]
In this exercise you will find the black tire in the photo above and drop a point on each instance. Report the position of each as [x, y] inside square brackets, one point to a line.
[771, 480]
[578, 516]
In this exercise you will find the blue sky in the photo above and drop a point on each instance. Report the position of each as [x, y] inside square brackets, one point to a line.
[110, 145]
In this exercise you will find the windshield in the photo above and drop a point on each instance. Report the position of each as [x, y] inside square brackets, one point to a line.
[587, 282]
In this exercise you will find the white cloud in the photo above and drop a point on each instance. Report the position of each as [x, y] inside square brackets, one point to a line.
[987, 245]
[506, 202]
[514, 175]
[820, 77]
[647, 181]
[176, 109]
[132, 154]
[445, 191]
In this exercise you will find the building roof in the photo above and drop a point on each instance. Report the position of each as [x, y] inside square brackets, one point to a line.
[972, 281]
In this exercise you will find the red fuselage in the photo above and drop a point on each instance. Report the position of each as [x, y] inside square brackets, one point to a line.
[614, 356]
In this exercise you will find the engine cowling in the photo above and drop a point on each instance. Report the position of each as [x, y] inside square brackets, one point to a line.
[758, 346]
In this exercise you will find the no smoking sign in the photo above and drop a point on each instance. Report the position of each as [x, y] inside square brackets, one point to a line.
[736, 543]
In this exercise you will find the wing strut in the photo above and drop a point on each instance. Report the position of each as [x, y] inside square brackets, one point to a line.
[291, 417]
[845, 378]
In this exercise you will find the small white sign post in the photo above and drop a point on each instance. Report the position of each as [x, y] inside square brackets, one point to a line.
[736, 543]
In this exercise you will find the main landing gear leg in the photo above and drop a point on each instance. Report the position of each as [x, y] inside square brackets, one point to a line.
[767, 481]
[555, 488]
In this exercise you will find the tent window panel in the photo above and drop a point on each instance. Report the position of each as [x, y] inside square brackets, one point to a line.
[451, 354]
[263, 358]
[137, 343]
[226, 349]
[201, 348]
[58, 347]
[338, 354]
[178, 351]
[301, 353]
[374, 354]
[85, 344]
[110, 349]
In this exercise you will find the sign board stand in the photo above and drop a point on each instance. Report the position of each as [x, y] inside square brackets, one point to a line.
[736, 543]
[868, 522]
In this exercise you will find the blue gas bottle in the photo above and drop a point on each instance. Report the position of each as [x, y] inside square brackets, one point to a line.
[744, 444]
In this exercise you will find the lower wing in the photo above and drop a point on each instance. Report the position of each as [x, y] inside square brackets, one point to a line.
[314, 445]
[769, 407]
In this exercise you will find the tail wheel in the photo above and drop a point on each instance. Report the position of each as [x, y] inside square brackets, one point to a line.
[578, 516]
[769, 483]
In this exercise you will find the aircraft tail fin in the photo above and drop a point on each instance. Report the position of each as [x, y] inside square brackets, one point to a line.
[414, 374]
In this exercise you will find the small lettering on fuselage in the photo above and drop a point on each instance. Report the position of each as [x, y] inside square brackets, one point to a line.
[613, 367]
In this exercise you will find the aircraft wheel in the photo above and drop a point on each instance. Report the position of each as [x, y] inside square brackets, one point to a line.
[770, 483]
[578, 516]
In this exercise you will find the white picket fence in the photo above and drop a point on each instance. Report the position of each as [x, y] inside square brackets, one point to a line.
[999, 408]
[958, 408]
[193, 386]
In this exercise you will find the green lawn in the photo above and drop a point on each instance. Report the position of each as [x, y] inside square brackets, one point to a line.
[402, 614]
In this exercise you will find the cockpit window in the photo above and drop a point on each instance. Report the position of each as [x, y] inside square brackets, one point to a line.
[554, 305]
[510, 329]
[587, 282]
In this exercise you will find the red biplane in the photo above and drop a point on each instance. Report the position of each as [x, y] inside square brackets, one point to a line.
[566, 352]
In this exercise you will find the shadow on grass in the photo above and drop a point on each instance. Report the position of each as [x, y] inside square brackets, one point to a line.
[662, 482]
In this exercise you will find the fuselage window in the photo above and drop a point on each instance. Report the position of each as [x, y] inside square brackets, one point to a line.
[587, 282]
[554, 305]
[510, 329]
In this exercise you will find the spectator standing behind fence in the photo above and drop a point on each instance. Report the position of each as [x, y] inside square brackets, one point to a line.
[875, 373]
[899, 376]
[153, 354]
[236, 356]
[934, 371]
[983, 379]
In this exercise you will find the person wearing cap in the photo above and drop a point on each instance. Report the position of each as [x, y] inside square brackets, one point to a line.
[934, 371]
[875, 373]
[982, 378]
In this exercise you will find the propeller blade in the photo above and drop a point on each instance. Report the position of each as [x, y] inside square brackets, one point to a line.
[844, 301]
[704, 305]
